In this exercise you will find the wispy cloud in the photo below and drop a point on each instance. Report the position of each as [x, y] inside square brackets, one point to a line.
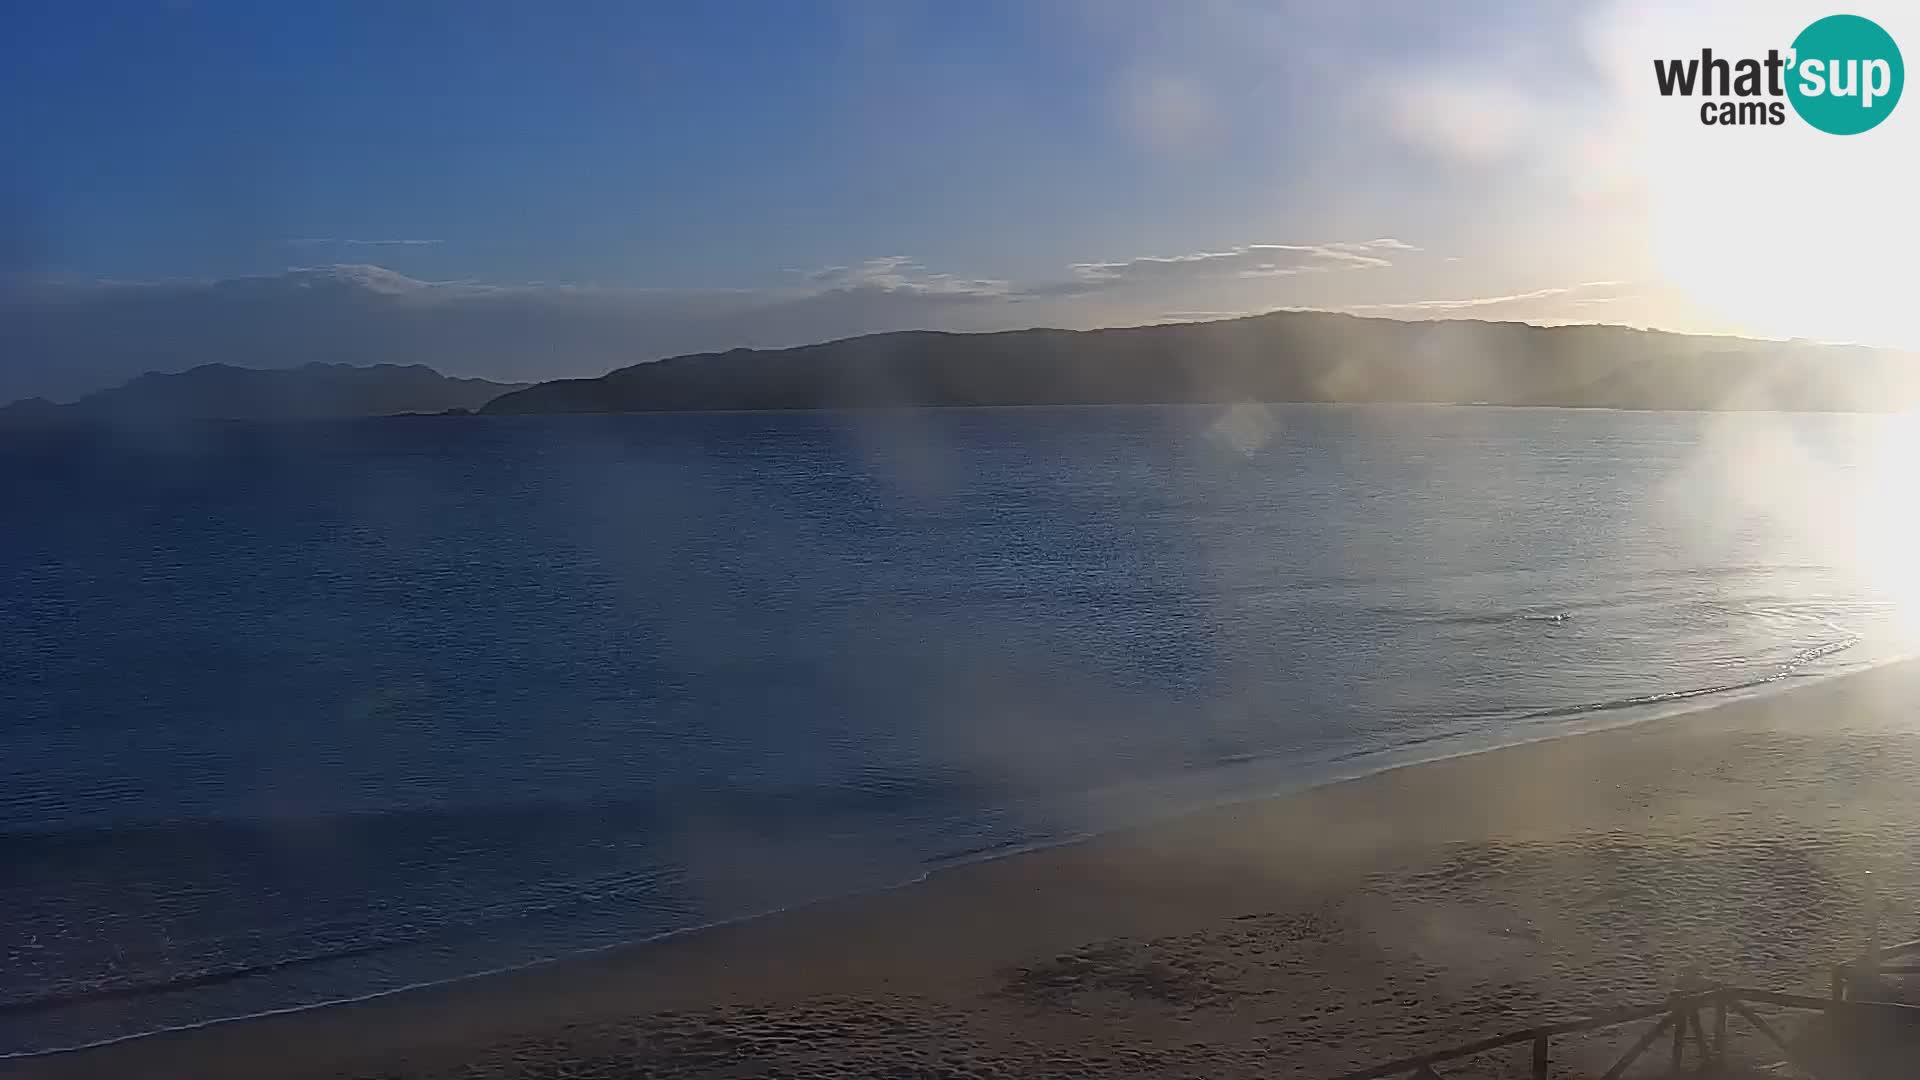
[323, 241]
[901, 274]
[1385, 243]
[1244, 261]
[86, 335]
[1203, 316]
[1585, 293]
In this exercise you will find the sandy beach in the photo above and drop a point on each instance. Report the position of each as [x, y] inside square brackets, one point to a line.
[1299, 936]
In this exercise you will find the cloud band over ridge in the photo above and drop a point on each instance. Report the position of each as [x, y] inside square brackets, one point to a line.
[61, 339]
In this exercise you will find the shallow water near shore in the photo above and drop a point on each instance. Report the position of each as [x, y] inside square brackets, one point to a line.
[302, 714]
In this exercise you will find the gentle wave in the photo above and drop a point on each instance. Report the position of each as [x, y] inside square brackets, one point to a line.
[876, 792]
[1494, 618]
[457, 924]
[470, 976]
[1787, 670]
[50, 1002]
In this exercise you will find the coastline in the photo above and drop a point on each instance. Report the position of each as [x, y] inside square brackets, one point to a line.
[1035, 942]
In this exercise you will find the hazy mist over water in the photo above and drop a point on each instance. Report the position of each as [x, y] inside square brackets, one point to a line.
[290, 714]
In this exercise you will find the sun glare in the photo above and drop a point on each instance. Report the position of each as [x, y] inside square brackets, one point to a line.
[1886, 531]
[1781, 232]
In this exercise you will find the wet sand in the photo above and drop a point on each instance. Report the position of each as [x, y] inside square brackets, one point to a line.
[1299, 936]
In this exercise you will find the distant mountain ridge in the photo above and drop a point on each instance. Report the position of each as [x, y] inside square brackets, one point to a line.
[315, 391]
[1290, 356]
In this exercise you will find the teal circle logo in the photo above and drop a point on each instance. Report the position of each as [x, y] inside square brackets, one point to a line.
[1846, 75]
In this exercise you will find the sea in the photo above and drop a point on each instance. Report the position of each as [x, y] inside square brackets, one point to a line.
[307, 713]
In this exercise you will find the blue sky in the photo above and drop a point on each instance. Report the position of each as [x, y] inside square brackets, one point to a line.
[699, 145]
[964, 164]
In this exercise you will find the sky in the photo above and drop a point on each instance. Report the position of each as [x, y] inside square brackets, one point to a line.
[600, 184]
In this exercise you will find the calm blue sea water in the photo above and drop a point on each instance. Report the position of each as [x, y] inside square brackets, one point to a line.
[291, 715]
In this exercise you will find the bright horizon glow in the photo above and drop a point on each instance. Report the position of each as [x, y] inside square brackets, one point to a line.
[1780, 232]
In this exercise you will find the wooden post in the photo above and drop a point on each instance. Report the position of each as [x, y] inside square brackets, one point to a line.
[1873, 922]
[1540, 1058]
[1639, 1047]
[1839, 982]
[1720, 1035]
[1763, 1028]
[1679, 1038]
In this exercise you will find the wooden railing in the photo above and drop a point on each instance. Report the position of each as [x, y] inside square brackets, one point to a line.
[1679, 1018]
[1877, 963]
